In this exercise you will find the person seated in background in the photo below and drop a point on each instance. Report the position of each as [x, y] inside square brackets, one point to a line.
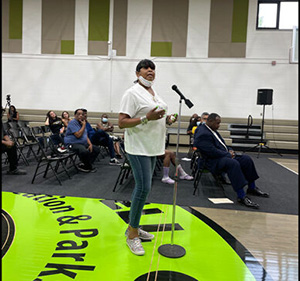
[221, 158]
[65, 118]
[168, 158]
[57, 128]
[203, 119]
[108, 127]
[10, 148]
[12, 114]
[191, 123]
[77, 140]
[100, 137]
[204, 116]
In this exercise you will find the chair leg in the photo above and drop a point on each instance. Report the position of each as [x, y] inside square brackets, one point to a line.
[117, 180]
[197, 180]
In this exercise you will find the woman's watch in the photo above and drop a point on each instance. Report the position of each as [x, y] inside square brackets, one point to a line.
[144, 120]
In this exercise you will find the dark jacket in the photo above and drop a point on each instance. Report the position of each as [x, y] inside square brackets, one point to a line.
[210, 147]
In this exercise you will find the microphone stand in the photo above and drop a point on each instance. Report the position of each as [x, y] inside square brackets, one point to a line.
[172, 250]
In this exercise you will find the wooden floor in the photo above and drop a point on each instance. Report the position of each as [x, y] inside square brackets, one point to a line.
[271, 238]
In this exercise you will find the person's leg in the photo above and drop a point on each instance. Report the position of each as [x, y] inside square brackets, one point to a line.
[166, 167]
[11, 155]
[117, 149]
[95, 152]
[234, 171]
[102, 138]
[83, 154]
[249, 170]
[142, 168]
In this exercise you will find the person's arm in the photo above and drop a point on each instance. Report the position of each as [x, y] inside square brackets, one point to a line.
[7, 141]
[99, 126]
[125, 121]
[110, 127]
[47, 121]
[90, 147]
[17, 118]
[79, 133]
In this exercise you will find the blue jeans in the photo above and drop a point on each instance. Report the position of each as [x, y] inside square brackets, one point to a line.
[142, 168]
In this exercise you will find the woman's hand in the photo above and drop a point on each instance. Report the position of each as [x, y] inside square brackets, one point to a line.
[155, 114]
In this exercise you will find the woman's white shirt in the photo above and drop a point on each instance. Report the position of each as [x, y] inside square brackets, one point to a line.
[147, 139]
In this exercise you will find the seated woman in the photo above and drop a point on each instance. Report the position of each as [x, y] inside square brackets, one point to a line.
[12, 114]
[108, 127]
[56, 126]
[169, 157]
[65, 118]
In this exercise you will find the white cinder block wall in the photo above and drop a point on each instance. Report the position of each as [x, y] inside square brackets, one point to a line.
[227, 86]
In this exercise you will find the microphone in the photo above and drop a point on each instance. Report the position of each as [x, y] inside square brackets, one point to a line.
[187, 101]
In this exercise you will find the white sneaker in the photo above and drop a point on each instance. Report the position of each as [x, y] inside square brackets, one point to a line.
[135, 246]
[186, 177]
[144, 235]
[168, 180]
[61, 149]
[114, 161]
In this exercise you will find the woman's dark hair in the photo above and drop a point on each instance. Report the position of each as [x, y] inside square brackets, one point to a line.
[145, 64]
[9, 110]
[62, 114]
[51, 120]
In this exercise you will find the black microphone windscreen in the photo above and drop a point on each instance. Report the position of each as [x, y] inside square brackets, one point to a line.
[174, 87]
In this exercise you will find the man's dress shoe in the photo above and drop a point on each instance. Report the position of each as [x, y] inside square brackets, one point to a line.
[247, 202]
[257, 192]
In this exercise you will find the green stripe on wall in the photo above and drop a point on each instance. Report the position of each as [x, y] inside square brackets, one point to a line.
[161, 49]
[67, 47]
[239, 21]
[98, 20]
[15, 19]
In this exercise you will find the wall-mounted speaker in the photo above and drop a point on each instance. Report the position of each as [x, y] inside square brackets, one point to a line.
[264, 96]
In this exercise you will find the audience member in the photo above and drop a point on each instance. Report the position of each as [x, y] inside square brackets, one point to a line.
[221, 158]
[77, 140]
[12, 114]
[108, 127]
[100, 137]
[189, 129]
[10, 148]
[65, 118]
[57, 128]
[169, 157]
[204, 116]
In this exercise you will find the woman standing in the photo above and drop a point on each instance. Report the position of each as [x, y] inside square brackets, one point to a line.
[143, 115]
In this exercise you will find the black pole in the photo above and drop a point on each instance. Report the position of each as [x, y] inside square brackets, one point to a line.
[262, 125]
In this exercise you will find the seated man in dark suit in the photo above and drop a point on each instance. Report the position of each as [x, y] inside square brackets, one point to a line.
[220, 158]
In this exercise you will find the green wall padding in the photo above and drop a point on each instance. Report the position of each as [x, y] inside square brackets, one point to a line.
[161, 49]
[98, 20]
[67, 47]
[239, 21]
[15, 19]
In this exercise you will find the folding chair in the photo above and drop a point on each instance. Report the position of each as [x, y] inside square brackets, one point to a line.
[199, 168]
[30, 141]
[125, 169]
[52, 159]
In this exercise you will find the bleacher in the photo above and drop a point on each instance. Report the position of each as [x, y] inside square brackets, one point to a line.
[281, 135]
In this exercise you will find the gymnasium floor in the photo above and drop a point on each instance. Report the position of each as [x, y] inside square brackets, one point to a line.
[71, 238]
